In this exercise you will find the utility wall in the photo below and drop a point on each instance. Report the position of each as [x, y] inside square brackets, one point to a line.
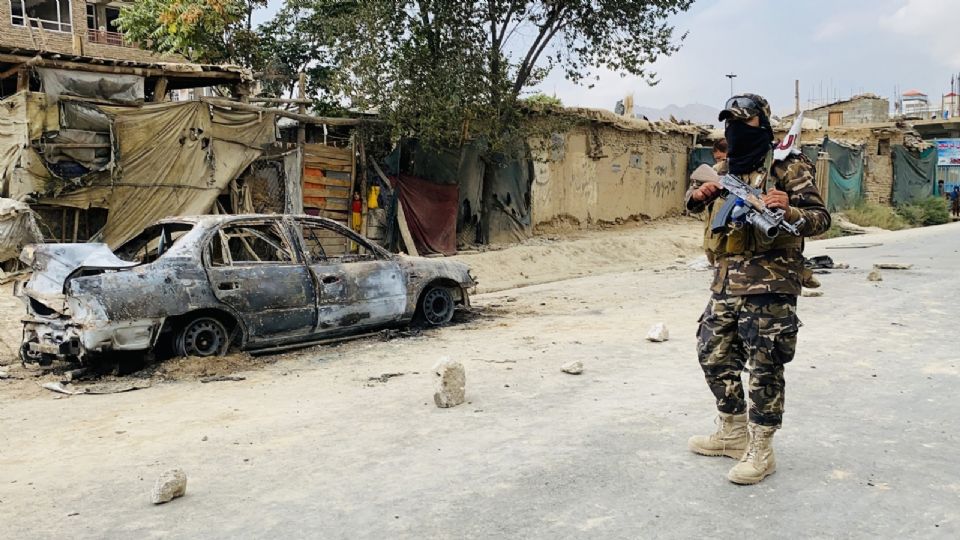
[600, 172]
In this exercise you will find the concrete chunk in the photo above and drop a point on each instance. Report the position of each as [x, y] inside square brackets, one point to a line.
[451, 383]
[658, 333]
[573, 368]
[171, 484]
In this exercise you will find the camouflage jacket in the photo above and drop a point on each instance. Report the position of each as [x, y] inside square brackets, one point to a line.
[758, 269]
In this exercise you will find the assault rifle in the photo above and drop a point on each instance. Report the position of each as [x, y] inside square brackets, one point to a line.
[745, 203]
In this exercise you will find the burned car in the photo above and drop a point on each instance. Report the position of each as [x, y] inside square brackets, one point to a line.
[201, 284]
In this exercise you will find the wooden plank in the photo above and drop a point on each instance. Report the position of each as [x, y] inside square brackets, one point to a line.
[326, 203]
[321, 180]
[335, 193]
[325, 160]
[324, 150]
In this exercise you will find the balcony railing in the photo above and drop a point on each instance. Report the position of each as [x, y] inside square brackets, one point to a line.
[106, 37]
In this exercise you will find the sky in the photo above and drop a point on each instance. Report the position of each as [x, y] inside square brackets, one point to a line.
[836, 48]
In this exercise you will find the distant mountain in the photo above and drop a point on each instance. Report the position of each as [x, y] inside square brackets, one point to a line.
[696, 112]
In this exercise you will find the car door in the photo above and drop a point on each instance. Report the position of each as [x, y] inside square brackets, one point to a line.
[357, 286]
[253, 268]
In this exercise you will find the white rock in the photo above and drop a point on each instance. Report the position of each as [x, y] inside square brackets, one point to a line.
[812, 294]
[658, 332]
[171, 484]
[874, 276]
[451, 383]
[573, 368]
[700, 264]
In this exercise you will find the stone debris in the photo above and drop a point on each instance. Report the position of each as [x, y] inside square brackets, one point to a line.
[451, 383]
[700, 264]
[812, 294]
[658, 333]
[573, 368]
[171, 484]
[874, 276]
[892, 266]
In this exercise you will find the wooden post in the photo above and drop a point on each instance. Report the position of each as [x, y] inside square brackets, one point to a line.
[796, 94]
[363, 184]
[160, 90]
[76, 224]
[23, 80]
[302, 109]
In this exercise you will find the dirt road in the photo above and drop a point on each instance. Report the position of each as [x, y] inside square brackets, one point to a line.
[319, 444]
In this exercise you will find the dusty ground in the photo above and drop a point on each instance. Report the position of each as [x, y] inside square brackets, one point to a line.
[345, 442]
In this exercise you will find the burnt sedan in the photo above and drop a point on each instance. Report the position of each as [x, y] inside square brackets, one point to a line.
[201, 284]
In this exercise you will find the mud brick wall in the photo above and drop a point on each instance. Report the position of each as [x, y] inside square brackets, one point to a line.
[597, 173]
[878, 169]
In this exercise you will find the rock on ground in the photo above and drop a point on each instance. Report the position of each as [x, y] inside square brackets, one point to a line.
[451, 383]
[658, 332]
[573, 368]
[171, 484]
[874, 276]
[812, 294]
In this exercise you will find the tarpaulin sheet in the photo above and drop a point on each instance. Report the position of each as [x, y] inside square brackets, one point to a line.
[914, 175]
[77, 115]
[106, 86]
[431, 213]
[812, 151]
[846, 175]
[698, 156]
[172, 159]
[506, 205]
[470, 173]
[13, 136]
[17, 228]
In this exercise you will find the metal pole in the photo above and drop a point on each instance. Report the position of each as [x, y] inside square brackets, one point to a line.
[731, 76]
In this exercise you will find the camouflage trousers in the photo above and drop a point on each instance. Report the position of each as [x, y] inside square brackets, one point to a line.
[756, 332]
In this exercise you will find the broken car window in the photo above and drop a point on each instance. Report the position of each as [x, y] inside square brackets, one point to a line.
[323, 244]
[249, 244]
[153, 242]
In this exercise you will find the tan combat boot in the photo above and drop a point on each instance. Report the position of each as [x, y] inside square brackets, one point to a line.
[758, 462]
[730, 440]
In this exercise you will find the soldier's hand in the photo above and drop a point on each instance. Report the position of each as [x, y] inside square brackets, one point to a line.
[776, 199]
[707, 192]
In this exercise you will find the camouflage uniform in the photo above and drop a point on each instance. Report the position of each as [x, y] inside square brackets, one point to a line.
[751, 320]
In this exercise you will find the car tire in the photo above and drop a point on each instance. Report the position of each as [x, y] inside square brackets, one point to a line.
[436, 306]
[202, 337]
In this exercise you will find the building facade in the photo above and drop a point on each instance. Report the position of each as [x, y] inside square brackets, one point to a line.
[69, 27]
[858, 110]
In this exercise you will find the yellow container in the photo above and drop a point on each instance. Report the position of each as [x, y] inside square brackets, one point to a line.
[373, 196]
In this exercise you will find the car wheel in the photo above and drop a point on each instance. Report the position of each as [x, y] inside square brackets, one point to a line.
[437, 306]
[203, 336]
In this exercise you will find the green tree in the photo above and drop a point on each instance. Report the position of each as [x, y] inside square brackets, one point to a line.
[297, 40]
[201, 30]
[441, 68]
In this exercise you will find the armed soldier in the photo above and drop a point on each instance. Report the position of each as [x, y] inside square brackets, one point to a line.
[751, 320]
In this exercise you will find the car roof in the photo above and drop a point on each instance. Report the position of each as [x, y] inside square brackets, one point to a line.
[217, 219]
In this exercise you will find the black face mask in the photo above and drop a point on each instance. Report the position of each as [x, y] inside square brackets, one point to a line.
[747, 146]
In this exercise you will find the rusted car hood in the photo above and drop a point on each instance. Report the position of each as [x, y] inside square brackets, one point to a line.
[53, 264]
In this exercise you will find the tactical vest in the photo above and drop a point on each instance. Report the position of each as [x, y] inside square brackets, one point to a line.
[741, 238]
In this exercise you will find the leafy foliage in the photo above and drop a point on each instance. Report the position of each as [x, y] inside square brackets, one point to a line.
[928, 211]
[295, 41]
[200, 30]
[444, 69]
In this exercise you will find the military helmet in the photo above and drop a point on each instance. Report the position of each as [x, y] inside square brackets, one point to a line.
[744, 106]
